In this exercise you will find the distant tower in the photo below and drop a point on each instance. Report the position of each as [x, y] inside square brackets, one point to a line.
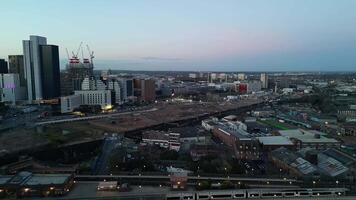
[264, 80]
[276, 87]
[3, 67]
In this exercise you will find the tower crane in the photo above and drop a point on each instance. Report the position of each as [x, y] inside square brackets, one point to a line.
[91, 54]
[67, 54]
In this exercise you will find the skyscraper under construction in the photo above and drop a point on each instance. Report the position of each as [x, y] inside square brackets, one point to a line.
[76, 71]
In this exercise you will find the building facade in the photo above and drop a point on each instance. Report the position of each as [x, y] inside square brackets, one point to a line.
[76, 71]
[95, 97]
[69, 103]
[10, 89]
[16, 66]
[264, 80]
[145, 90]
[32, 64]
[50, 71]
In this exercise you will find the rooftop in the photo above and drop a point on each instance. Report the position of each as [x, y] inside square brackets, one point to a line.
[238, 133]
[47, 179]
[330, 166]
[294, 160]
[29, 179]
[342, 157]
[307, 136]
[155, 135]
[4, 179]
[191, 131]
[274, 140]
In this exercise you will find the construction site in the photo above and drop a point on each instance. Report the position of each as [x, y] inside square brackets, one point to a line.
[17, 141]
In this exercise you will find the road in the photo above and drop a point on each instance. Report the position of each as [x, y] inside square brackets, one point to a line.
[87, 190]
[91, 117]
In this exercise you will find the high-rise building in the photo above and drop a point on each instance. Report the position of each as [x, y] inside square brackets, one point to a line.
[76, 72]
[16, 66]
[126, 88]
[264, 80]
[32, 64]
[114, 86]
[145, 89]
[3, 66]
[50, 72]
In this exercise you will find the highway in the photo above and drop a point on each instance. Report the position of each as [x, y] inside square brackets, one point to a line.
[91, 117]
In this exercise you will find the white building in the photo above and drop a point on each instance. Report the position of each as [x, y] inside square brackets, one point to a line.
[10, 89]
[95, 97]
[93, 84]
[241, 76]
[69, 103]
[192, 75]
[32, 65]
[114, 86]
[213, 76]
[253, 86]
[264, 80]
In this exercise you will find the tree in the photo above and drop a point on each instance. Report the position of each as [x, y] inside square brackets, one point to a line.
[169, 155]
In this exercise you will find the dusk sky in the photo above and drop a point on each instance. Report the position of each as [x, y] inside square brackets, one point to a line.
[218, 35]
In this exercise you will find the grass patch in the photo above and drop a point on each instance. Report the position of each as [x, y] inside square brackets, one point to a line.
[275, 124]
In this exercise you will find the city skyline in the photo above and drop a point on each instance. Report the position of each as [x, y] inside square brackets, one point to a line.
[200, 36]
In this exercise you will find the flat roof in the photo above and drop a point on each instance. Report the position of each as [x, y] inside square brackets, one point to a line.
[236, 133]
[4, 179]
[307, 136]
[47, 179]
[274, 140]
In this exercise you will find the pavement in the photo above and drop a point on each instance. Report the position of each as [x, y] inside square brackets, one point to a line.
[88, 190]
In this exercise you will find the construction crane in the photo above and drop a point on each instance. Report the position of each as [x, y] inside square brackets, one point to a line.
[75, 55]
[80, 46]
[91, 54]
[82, 53]
[67, 54]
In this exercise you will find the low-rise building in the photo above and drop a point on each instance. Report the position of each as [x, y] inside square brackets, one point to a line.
[26, 184]
[291, 162]
[270, 143]
[191, 135]
[69, 103]
[162, 139]
[310, 138]
[330, 166]
[95, 97]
